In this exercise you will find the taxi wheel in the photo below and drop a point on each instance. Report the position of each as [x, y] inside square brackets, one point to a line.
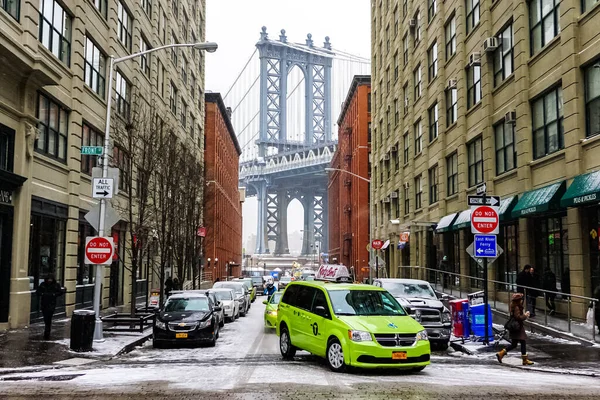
[288, 351]
[335, 356]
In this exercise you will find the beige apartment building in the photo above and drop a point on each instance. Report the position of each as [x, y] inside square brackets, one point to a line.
[53, 86]
[503, 92]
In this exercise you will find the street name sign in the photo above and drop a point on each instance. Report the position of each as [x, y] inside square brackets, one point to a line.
[92, 150]
[102, 188]
[481, 189]
[485, 219]
[479, 201]
[485, 246]
[99, 250]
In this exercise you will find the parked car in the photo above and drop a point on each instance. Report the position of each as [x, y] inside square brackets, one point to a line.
[231, 308]
[186, 318]
[421, 302]
[258, 283]
[212, 298]
[283, 281]
[242, 295]
[249, 286]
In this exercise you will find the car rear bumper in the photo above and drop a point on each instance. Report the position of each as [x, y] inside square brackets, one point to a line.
[373, 355]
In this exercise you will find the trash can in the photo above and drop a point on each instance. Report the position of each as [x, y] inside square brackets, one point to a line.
[478, 322]
[82, 330]
[466, 318]
[458, 326]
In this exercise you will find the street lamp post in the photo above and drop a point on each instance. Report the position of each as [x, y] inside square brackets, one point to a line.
[370, 213]
[211, 47]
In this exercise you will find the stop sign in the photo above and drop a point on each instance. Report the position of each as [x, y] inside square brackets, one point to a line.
[98, 250]
[377, 244]
[485, 220]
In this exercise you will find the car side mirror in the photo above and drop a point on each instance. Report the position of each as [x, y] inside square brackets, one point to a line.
[444, 297]
[320, 311]
[264, 302]
[217, 308]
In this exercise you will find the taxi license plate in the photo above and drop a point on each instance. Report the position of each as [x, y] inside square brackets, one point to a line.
[181, 336]
[399, 355]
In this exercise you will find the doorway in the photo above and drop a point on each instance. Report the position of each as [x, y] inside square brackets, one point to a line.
[5, 260]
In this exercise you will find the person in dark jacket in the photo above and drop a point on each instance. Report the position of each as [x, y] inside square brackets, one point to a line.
[176, 285]
[532, 294]
[524, 278]
[519, 336]
[48, 292]
[168, 287]
[445, 267]
[549, 284]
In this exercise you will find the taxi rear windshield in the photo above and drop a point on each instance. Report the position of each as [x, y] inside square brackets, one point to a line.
[365, 302]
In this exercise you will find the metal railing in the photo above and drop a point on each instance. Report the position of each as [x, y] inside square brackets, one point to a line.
[454, 282]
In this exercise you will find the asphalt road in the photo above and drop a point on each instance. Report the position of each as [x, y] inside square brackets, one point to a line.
[246, 364]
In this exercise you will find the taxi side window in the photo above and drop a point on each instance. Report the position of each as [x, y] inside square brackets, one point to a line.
[305, 297]
[290, 294]
[321, 300]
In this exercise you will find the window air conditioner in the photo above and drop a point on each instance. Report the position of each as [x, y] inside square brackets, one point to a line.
[386, 157]
[490, 44]
[394, 195]
[412, 22]
[393, 149]
[510, 117]
[386, 199]
[452, 83]
[475, 59]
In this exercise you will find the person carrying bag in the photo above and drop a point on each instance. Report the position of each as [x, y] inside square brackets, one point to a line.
[515, 327]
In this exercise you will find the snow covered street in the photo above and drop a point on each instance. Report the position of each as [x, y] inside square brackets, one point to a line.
[246, 363]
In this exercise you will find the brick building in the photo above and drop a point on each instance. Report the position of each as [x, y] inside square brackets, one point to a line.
[349, 195]
[222, 199]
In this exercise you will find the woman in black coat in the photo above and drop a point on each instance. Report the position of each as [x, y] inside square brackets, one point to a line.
[518, 336]
[48, 292]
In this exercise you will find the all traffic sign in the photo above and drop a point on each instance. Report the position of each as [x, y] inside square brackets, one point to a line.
[485, 219]
[99, 250]
[102, 188]
[377, 244]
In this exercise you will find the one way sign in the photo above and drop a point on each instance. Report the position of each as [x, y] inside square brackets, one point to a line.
[102, 188]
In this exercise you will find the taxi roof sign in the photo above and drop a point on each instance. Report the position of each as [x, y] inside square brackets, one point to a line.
[333, 273]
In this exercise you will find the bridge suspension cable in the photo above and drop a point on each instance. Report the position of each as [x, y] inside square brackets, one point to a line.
[240, 74]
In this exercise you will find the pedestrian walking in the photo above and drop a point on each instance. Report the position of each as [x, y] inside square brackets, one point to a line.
[516, 329]
[549, 284]
[176, 285]
[168, 287]
[444, 267]
[533, 293]
[524, 279]
[48, 292]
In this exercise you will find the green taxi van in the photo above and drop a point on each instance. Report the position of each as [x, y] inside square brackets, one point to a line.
[349, 324]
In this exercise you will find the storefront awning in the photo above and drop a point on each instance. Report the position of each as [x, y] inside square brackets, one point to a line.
[463, 220]
[506, 206]
[445, 223]
[539, 200]
[585, 189]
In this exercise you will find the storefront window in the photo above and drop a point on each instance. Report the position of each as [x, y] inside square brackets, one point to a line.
[593, 217]
[508, 262]
[85, 273]
[552, 247]
[475, 269]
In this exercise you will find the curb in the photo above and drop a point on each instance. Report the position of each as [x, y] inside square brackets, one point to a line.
[459, 347]
[550, 371]
[130, 346]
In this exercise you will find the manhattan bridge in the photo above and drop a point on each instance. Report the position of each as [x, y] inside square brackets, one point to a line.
[285, 103]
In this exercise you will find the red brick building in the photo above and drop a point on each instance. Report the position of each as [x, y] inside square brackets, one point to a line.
[222, 200]
[349, 195]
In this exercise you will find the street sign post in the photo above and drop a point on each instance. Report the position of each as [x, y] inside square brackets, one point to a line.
[92, 150]
[102, 188]
[98, 250]
[485, 246]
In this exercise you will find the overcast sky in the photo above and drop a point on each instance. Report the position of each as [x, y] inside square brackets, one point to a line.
[236, 24]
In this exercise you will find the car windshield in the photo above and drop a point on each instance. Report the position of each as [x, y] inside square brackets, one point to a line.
[407, 289]
[364, 302]
[224, 295]
[183, 304]
[237, 288]
[275, 298]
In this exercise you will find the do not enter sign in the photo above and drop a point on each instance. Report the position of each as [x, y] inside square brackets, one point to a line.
[98, 250]
[485, 220]
[377, 244]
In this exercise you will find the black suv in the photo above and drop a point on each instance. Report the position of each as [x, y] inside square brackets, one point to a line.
[186, 318]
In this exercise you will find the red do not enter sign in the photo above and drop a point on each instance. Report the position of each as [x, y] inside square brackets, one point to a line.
[485, 220]
[99, 250]
[377, 244]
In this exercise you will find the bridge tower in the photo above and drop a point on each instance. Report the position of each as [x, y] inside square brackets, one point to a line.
[277, 59]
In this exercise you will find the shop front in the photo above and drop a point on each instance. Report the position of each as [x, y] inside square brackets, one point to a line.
[463, 223]
[449, 246]
[507, 265]
[84, 290]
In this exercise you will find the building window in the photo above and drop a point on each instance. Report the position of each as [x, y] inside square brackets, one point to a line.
[125, 26]
[506, 154]
[406, 199]
[12, 7]
[450, 38]
[432, 9]
[85, 272]
[175, 7]
[418, 137]
[90, 137]
[551, 244]
[192, 126]
[123, 92]
[418, 192]
[473, 85]
[160, 79]
[7, 148]
[387, 80]
[433, 122]
[452, 174]
[418, 27]
[585, 6]
[592, 100]
[405, 48]
[475, 159]
[396, 207]
[369, 133]
[145, 58]
[184, 112]
[418, 82]
[173, 98]
[548, 123]
[184, 27]
[404, 7]
[396, 67]
[433, 185]
[396, 20]
[174, 49]
[406, 147]
[451, 106]
[192, 86]
[396, 112]
[55, 30]
[184, 68]
[53, 123]
[162, 24]
[503, 56]
[147, 7]
[472, 14]
[396, 157]
[387, 38]
[122, 162]
[95, 67]
[544, 20]
[432, 61]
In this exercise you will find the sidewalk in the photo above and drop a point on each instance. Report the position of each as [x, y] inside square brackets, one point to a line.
[25, 349]
[556, 326]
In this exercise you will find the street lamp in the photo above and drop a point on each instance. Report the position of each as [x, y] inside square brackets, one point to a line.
[370, 205]
[210, 47]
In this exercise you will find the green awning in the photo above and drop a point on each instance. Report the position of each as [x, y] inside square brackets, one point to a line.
[539, 200]
[506, 206]
[585, 189]
[463, 220]
[445, 223]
